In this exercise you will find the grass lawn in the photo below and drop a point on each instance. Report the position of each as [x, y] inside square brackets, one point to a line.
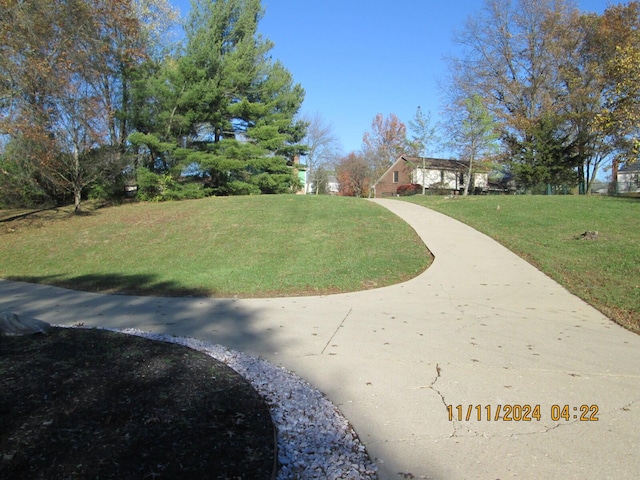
[233, 246]
[543, 229]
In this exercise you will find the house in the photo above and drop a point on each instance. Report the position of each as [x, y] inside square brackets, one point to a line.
[300, 170]
[599, 187]
[443, 176]
[628, 178]
[333, 187]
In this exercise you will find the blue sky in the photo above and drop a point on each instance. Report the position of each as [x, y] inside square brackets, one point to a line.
[357, 58]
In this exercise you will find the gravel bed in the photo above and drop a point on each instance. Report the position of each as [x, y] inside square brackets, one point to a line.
[314, 440]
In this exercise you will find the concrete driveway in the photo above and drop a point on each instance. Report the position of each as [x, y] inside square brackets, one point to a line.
[421, 368]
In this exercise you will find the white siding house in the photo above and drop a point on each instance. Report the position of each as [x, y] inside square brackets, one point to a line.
[629, 178]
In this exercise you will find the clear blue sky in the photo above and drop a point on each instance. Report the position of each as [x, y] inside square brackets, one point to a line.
[357, 58]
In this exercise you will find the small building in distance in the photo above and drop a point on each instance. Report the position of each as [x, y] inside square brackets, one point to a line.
[436, 175]
[628, 178]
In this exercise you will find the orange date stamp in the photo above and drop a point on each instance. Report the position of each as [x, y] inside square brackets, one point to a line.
[521, 413]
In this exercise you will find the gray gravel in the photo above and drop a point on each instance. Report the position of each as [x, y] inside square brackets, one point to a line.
[314, 440]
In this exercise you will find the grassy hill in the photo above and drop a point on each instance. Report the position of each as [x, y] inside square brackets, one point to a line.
[220, 246]
[304, 245]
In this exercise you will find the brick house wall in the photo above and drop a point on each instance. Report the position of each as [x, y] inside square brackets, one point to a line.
[399, 173]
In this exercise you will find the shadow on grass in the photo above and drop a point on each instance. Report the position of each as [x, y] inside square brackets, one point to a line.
[51, 212]
[18, 214]
[116, 284]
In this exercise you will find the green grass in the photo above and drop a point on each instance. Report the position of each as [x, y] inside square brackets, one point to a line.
[543, 229]
[234, 246]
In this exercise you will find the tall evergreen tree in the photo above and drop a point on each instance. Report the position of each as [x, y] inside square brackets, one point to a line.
[546, 156]
[237, 105]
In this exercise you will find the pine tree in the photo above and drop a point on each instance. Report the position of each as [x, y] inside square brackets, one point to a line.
[238, 105]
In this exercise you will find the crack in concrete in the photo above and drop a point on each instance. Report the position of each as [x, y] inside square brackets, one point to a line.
[457, 426]
[432, 387]
[464, 426]
[336, 331]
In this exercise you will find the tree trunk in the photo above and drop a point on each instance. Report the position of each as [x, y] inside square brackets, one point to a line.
[125, 108]
[77, 182]
[591, 179]
[467, 181]
[77, 199]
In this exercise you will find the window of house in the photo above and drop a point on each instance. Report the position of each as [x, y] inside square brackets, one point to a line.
[395, 177]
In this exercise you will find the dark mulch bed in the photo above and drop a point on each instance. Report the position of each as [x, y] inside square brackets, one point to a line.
[88, 404]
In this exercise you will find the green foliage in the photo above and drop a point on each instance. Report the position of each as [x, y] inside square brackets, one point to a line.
[186, 191]
[104, 190]
[236, 187]
[618, 46]
[472, 133]
[157, 187]
[150, 141]
[545, 156]
[274, 183]
[425, 135]
[149, 185]
[550, 74]
[225, 102]
[152, 153]
[64, 79]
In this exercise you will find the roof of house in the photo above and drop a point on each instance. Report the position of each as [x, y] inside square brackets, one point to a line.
[437, 163]
[630, 168]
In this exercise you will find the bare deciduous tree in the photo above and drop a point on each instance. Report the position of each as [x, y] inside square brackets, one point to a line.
[386, 141]
[324, 148]
[555, 80]
[511, 64]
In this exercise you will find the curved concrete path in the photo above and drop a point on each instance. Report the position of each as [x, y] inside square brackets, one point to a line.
[480, 327]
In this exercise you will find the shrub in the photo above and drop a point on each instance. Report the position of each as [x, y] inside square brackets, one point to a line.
[149, 185]
[439, 189]
[409, 189]
[154, 187]
[236, 187]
